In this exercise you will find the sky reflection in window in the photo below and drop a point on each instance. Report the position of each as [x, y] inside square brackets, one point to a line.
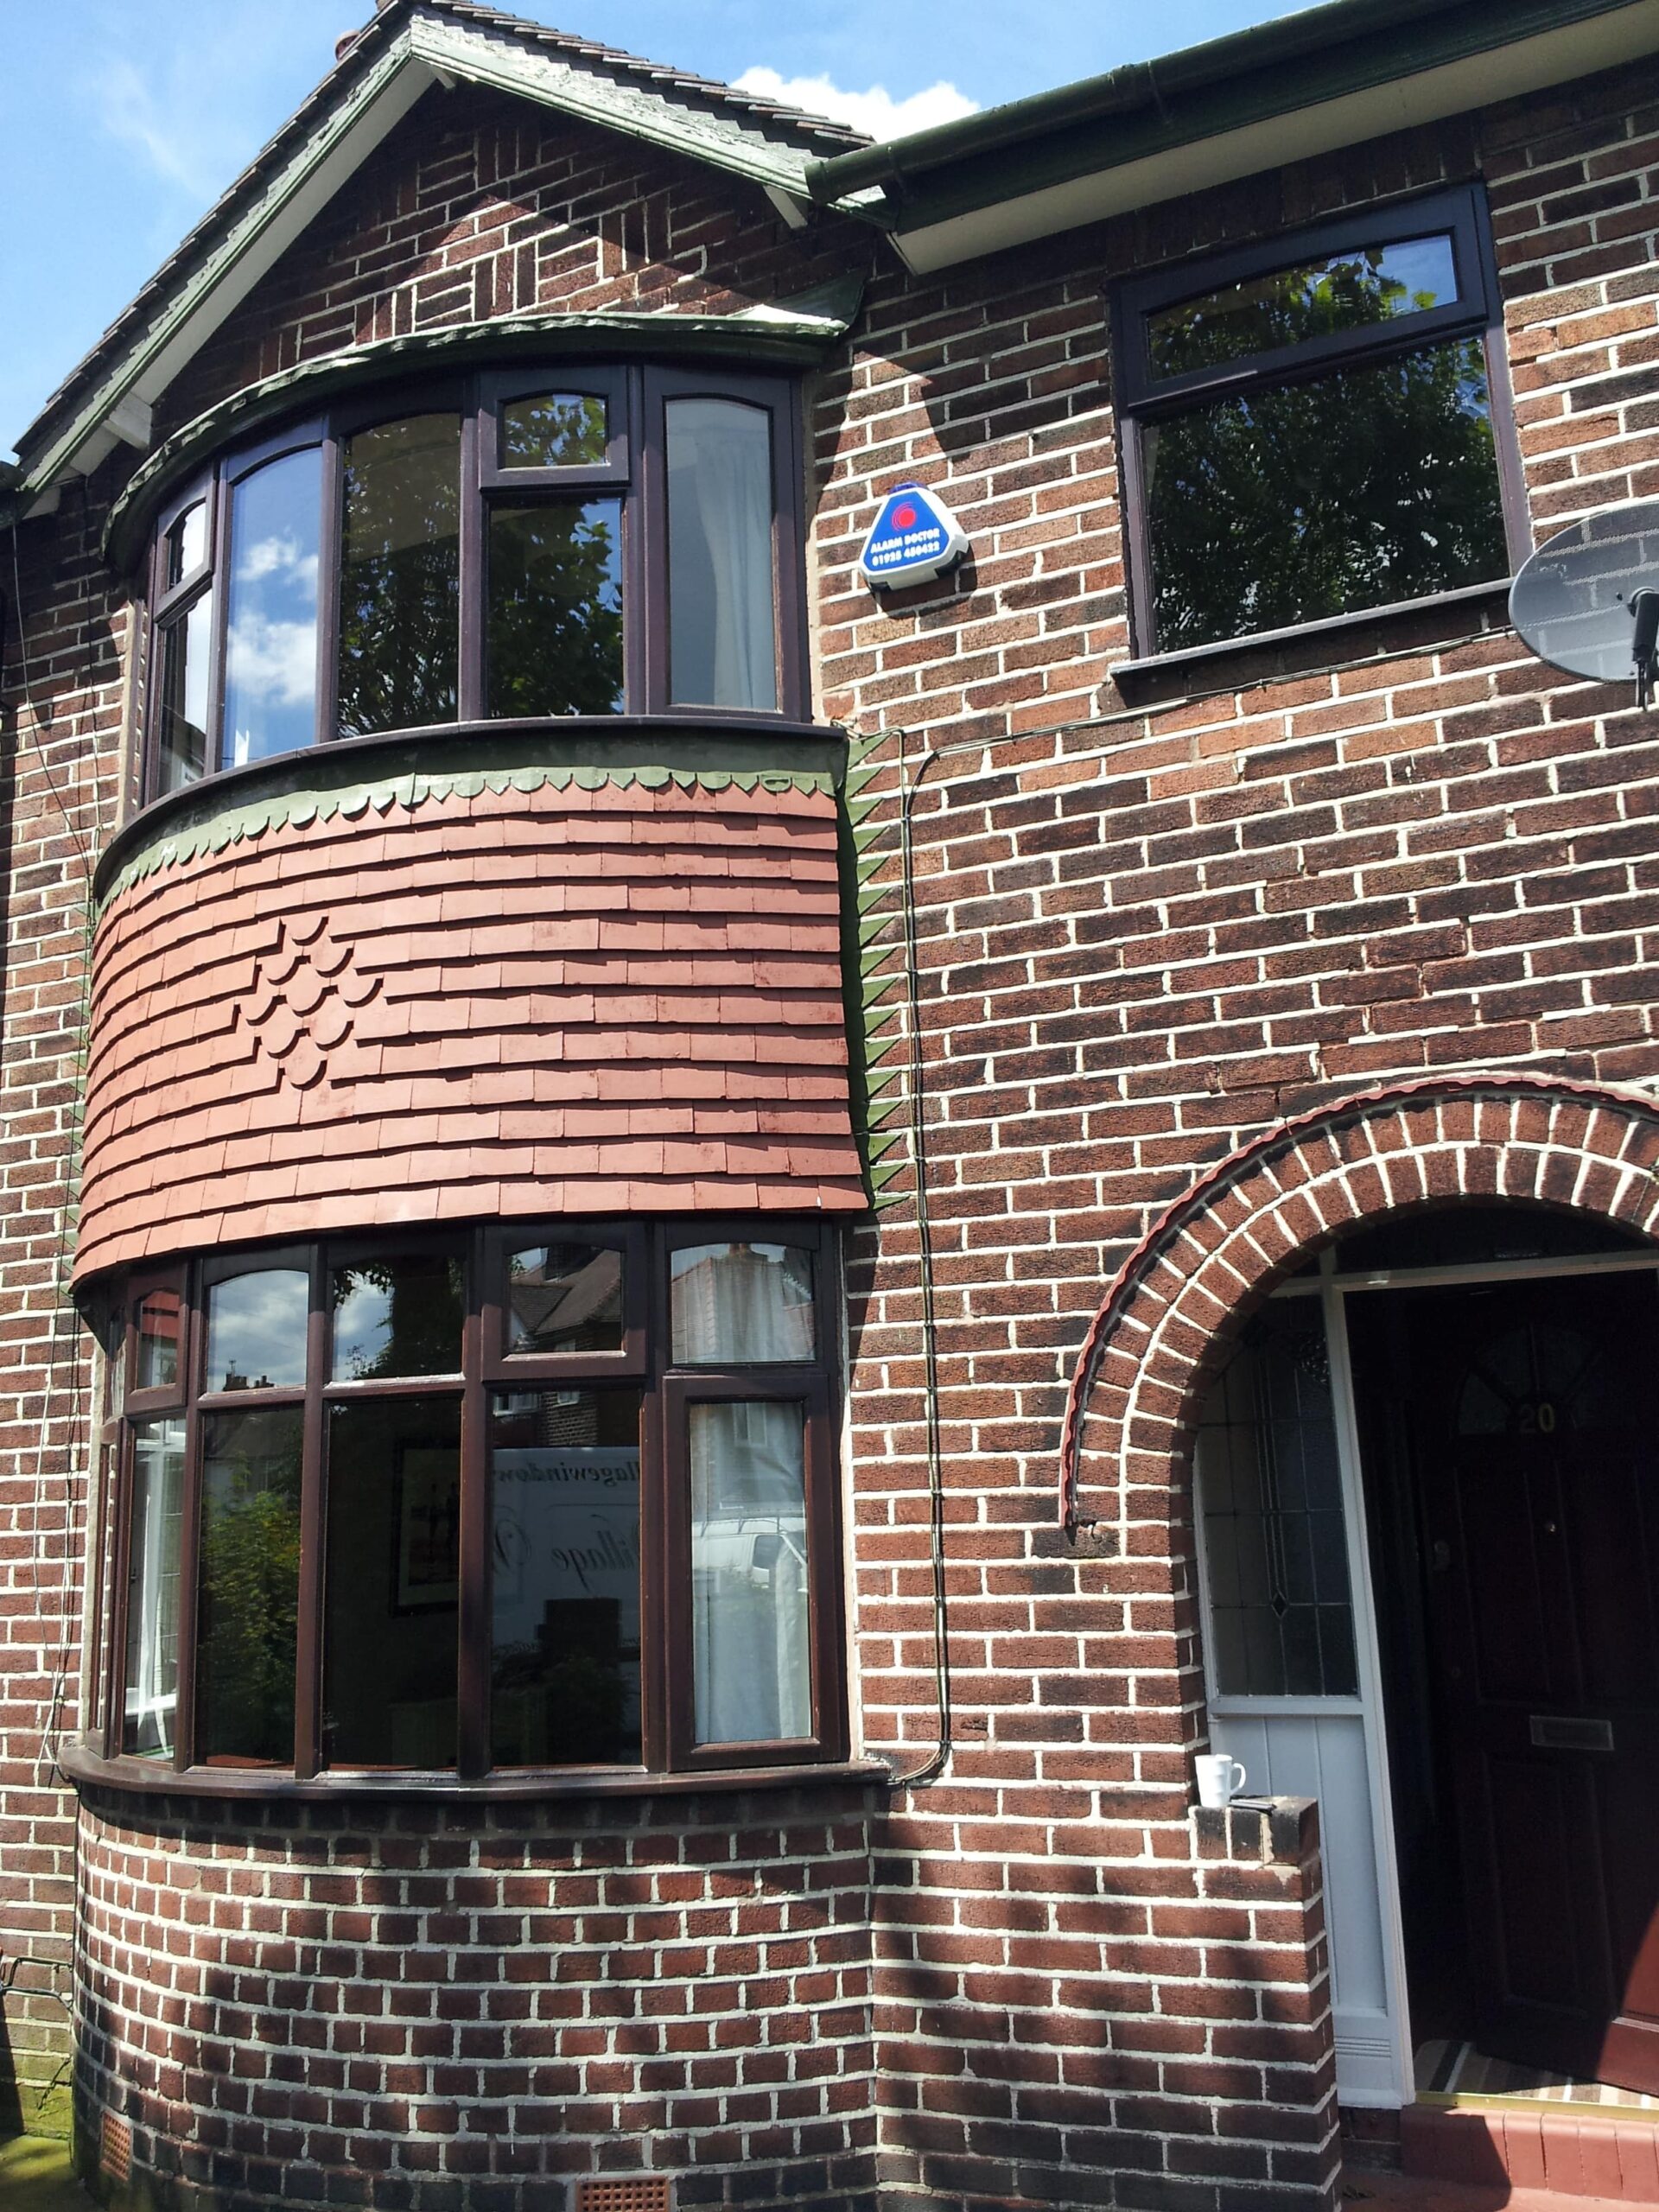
[270, 654]
[256, 1330]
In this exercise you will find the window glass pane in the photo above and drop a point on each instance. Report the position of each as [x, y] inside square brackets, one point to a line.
[555, 609]
[565, 1297]
[1271, 1492]
[256, 1330]
[186, 646]
[392, 1564]
[750, 1629]
[160, 1321]
[722, 628]
[271, 645]
[1349, 491]
[152, 1671]
[564, 1666]
[554, 429]
[186, 545]
[400, 575]
[738, 1303]
[1354, 290]
[249, 1605]
[399, 1316]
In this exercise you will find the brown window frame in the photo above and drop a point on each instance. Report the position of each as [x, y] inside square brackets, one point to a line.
[1144, 399]
[634, 471]
[643, 1365]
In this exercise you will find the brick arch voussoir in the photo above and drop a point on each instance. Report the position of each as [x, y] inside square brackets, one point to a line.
[1163, 1326]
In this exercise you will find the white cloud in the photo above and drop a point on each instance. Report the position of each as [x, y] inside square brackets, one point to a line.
[875, 111]
[271, 665]
[129, 111]
[280, 556]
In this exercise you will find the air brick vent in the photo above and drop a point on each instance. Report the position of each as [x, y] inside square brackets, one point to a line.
[630, 2193]
[115, 2148]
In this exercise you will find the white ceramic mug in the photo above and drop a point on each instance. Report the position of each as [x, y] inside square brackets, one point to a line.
[1220, 1778]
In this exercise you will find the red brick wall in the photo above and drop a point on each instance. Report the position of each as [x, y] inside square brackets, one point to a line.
[414, 2001]
[1148, 928]
[618, 1001]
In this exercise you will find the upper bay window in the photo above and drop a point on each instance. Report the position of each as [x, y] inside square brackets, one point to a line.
[1310, 427]
[553, 1496]
[523, 544]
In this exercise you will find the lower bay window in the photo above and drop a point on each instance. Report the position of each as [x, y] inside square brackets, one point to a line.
[557, 1497]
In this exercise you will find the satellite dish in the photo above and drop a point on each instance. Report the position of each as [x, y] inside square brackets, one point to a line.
[1587, 601]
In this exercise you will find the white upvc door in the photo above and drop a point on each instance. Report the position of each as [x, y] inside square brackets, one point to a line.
[1334, 1748]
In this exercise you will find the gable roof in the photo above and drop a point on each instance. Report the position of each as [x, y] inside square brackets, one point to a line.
[1302, 85]
[409, 47]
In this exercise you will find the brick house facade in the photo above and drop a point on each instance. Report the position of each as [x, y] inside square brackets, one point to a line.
[1127, 983]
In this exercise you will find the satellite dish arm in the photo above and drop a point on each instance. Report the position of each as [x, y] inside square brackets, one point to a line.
[1644, 642]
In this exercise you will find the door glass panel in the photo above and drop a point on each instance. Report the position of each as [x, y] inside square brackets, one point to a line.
[1352, 290]
[249, 1604]
[392, 1575]
[741, 1304]
[554, 429]
[723, 626]
[565, 1297]
[187, 652]
[160, 1332]
[564, 1664]
[555, 609]
[256, 1330]
[1271, 1496]
[750, 1626]
[400, 575]
[398, 1316]
[271, 645]
[152, 1670]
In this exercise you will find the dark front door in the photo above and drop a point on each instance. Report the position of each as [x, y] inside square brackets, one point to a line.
[1532, 1417]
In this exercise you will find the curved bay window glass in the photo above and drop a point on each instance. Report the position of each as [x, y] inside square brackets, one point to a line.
[455, 1504]
[510, 545]
[1311, 427]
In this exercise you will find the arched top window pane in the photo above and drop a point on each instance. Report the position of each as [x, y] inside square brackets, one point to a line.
[270, 648]
[555, 430]
[400, 576]
[723, 621]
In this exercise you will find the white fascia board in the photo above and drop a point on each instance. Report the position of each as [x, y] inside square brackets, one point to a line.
[495, 59]
[246, 254]
[1479, 81]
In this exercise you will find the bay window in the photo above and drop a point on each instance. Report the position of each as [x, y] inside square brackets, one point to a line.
[554, 1497]
[519, 544]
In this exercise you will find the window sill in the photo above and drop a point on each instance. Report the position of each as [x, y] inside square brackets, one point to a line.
[149, 1779]
[1471, 611]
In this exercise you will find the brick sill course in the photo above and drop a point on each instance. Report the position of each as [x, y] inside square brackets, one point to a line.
[147, 1778]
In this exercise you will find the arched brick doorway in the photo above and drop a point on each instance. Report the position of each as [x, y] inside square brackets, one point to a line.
[1525, 1527]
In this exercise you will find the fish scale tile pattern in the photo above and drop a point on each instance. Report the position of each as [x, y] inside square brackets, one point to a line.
[498, 1003]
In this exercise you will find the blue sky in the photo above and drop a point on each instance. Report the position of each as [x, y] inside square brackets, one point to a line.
[122, 120]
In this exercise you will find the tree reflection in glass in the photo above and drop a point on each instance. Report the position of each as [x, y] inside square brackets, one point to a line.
[400, 575]
[398, 1316]
[152, 1656]
[555, 609]
[247, 1624]
[555, 430]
